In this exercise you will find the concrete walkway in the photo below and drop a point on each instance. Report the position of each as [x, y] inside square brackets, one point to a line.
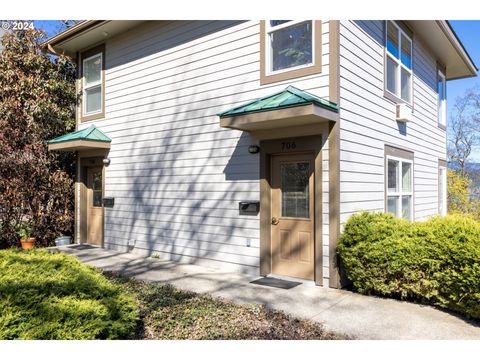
[344, 312]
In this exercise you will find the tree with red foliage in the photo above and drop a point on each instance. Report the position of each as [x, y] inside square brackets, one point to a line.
[37, 102]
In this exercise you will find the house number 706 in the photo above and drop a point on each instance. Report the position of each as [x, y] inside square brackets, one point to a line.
[288, 145]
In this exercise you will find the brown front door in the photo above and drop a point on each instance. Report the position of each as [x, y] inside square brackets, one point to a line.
[94, 206]
[292, 215]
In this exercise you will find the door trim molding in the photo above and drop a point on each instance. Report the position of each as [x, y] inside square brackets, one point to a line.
[274, 147]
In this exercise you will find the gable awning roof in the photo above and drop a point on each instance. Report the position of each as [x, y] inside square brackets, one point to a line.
[86, 139]
[289, 107]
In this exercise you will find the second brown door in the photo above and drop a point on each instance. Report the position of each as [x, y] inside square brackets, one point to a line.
[95, 206]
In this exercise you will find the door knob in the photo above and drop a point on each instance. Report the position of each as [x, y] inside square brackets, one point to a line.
[275, 221]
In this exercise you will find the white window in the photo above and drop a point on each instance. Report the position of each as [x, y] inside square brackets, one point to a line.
[442, 190]
[289, 45]
[398, 62]
[442, 99]
[92, 84]
[400, 187]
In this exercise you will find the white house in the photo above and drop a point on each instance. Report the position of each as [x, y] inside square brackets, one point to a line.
[245, 145]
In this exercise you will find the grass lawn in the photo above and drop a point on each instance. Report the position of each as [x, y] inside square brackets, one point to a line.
[170, 313]
[47, 295]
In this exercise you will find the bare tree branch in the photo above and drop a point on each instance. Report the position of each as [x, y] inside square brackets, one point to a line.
[464, 129]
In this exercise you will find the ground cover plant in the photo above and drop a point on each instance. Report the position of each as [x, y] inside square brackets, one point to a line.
[54, 296]
[170, 313]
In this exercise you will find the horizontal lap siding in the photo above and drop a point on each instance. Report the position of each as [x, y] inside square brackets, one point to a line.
[176, 176]
[367, 123]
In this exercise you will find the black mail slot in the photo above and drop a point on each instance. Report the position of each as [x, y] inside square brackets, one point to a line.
[249, 207]
[108, 201]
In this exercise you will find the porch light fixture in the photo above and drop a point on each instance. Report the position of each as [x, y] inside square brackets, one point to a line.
[253, 149]
[106, 161]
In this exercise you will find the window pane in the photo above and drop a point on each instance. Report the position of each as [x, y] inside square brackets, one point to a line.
[392, 176]
[440, 88]
[392, 39]
[406, 55]
[93, 98]
[406, 177]
[278, 22]
[295, 189]
[406, 206]
[292, 46]
[405, 85]
[97, 180]
[92, 69]
[97, 198]
[391, 75]
[441, 100]
[392, 202]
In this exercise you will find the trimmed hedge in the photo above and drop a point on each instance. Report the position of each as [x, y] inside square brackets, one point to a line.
[54, 296]
[436, 261]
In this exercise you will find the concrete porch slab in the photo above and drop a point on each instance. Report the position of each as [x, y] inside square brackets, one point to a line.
[344, 312]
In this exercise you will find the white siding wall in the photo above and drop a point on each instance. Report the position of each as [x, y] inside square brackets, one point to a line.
[367, 123]
[176, 176]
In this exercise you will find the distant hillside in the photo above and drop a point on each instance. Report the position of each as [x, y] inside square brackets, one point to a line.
[470, 167]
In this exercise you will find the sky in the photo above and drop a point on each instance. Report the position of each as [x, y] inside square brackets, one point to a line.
[467, 30]
[469, 33]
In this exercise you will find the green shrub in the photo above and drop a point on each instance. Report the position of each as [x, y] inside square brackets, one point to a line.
[436, 261]
[54, 296]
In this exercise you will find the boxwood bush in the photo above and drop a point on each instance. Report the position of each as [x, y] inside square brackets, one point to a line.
[54, 296]
[436, 261]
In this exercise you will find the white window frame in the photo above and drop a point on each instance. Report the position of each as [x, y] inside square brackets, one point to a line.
[442, 102]
[442, 198]
[90, 86]
[399, 193]
[398, 74]
[268, 46]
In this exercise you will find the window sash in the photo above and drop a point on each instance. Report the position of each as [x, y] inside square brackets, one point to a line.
[92, 85]
[268, 45]
[398, 195]
[442, 99]
[399, 62]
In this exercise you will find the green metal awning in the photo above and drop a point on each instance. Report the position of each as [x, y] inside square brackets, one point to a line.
[288, 107]
[87, 139]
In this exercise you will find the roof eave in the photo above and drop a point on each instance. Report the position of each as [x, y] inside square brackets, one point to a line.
[70, 32]
[458, 45]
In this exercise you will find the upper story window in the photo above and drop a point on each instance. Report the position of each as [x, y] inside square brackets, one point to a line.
[442, 99]
[398, 62]
[289, 49]
[93, 84]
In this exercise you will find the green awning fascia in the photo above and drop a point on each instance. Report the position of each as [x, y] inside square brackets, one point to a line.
[290, 97]
[90, 134]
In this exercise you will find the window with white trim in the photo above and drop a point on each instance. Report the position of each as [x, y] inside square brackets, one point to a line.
[92, 84]
[289, 45]
[442, 190]
[399, 187]
[442, 98]
[398, 62]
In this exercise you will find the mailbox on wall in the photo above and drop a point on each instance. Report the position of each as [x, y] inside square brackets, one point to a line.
[108, 202]
[248, 207]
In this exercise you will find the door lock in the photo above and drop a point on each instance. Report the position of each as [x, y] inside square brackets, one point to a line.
[275, 221]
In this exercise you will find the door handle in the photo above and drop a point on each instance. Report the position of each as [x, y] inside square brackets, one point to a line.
[275, 221]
